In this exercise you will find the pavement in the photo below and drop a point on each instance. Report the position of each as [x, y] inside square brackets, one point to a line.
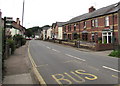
[17, 69]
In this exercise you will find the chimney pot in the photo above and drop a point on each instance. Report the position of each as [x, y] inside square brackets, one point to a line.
[91, 9]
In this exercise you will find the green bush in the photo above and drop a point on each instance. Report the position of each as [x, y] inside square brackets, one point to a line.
[11, 44]
[19, 40]
[23, 41]
[99, 39]
[115, 53]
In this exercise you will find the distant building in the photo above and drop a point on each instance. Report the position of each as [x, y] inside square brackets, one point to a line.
[44, 32]
[49, 33]
[17, 28]
[57, 30]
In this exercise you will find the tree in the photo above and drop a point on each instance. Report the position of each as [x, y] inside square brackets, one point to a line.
[29, 33]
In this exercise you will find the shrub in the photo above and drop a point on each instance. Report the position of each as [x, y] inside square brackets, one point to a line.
[99, 39]
[115, 53]
[105, 41]
[23, 41]
[11, 44]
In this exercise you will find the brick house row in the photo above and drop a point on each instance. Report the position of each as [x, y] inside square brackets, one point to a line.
[99, 26]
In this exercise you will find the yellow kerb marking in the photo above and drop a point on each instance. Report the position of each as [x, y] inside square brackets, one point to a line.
[39, 77]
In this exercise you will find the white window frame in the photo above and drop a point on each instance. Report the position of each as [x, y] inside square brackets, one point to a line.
[93, 23]
[96, 22]
[85, 23]
[107, 21]
[105, 33]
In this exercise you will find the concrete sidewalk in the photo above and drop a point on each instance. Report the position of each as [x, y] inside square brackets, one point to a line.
[17, 69]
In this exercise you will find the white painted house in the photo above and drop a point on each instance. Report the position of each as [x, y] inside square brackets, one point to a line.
[59, 30]
[49, 33]
[44, 32]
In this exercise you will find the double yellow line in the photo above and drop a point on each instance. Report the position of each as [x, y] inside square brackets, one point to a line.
[34, 66]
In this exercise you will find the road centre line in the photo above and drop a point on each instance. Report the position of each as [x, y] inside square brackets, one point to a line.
[48, 47]
[110, 68]
[75, 57]
[56, 50]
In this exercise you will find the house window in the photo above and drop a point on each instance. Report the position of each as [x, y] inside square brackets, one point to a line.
[84, 24]
[93, 23]
[93, 37]
[64, 28]
[75, 27]
[96, 22]
[69, 27]
[107, 21]
[69, 36]
[106, 37]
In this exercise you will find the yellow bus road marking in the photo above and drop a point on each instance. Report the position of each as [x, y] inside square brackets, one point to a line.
[115, 76]
[78, 76]
[38, 75]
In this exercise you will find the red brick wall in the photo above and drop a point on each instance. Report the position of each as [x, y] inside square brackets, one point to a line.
[101, 26]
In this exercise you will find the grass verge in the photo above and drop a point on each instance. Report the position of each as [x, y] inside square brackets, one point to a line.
[115, 53]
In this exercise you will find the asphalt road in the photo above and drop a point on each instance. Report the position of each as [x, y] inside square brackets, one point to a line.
[58, 64]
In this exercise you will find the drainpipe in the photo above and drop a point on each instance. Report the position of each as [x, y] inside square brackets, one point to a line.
[113, 38]
[119, 28]
[79, 36]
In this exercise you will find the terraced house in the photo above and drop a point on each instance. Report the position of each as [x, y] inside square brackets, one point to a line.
[98, 26]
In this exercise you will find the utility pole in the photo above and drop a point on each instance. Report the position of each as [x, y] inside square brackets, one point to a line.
[1, 31]
[23, 12]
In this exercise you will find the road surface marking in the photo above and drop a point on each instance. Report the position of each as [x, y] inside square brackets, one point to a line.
[69, 61]
[75, 57]
[48, 47]
[78, 81]
[72, 77]
[58, 80]
[110, 68]
[39, 77]
[30, 57]
[56, 50]
[83, 72]
[42, 65]
[115, 76]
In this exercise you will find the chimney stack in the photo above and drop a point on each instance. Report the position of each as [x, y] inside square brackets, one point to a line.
[91, 9]
[18, 21]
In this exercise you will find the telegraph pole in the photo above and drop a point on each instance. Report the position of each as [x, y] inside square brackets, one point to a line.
[23, 12]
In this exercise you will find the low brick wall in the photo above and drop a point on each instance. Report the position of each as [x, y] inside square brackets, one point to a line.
[95, 47]
[100, 47]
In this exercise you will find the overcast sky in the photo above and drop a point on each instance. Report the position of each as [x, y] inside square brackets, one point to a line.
[46, 12]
